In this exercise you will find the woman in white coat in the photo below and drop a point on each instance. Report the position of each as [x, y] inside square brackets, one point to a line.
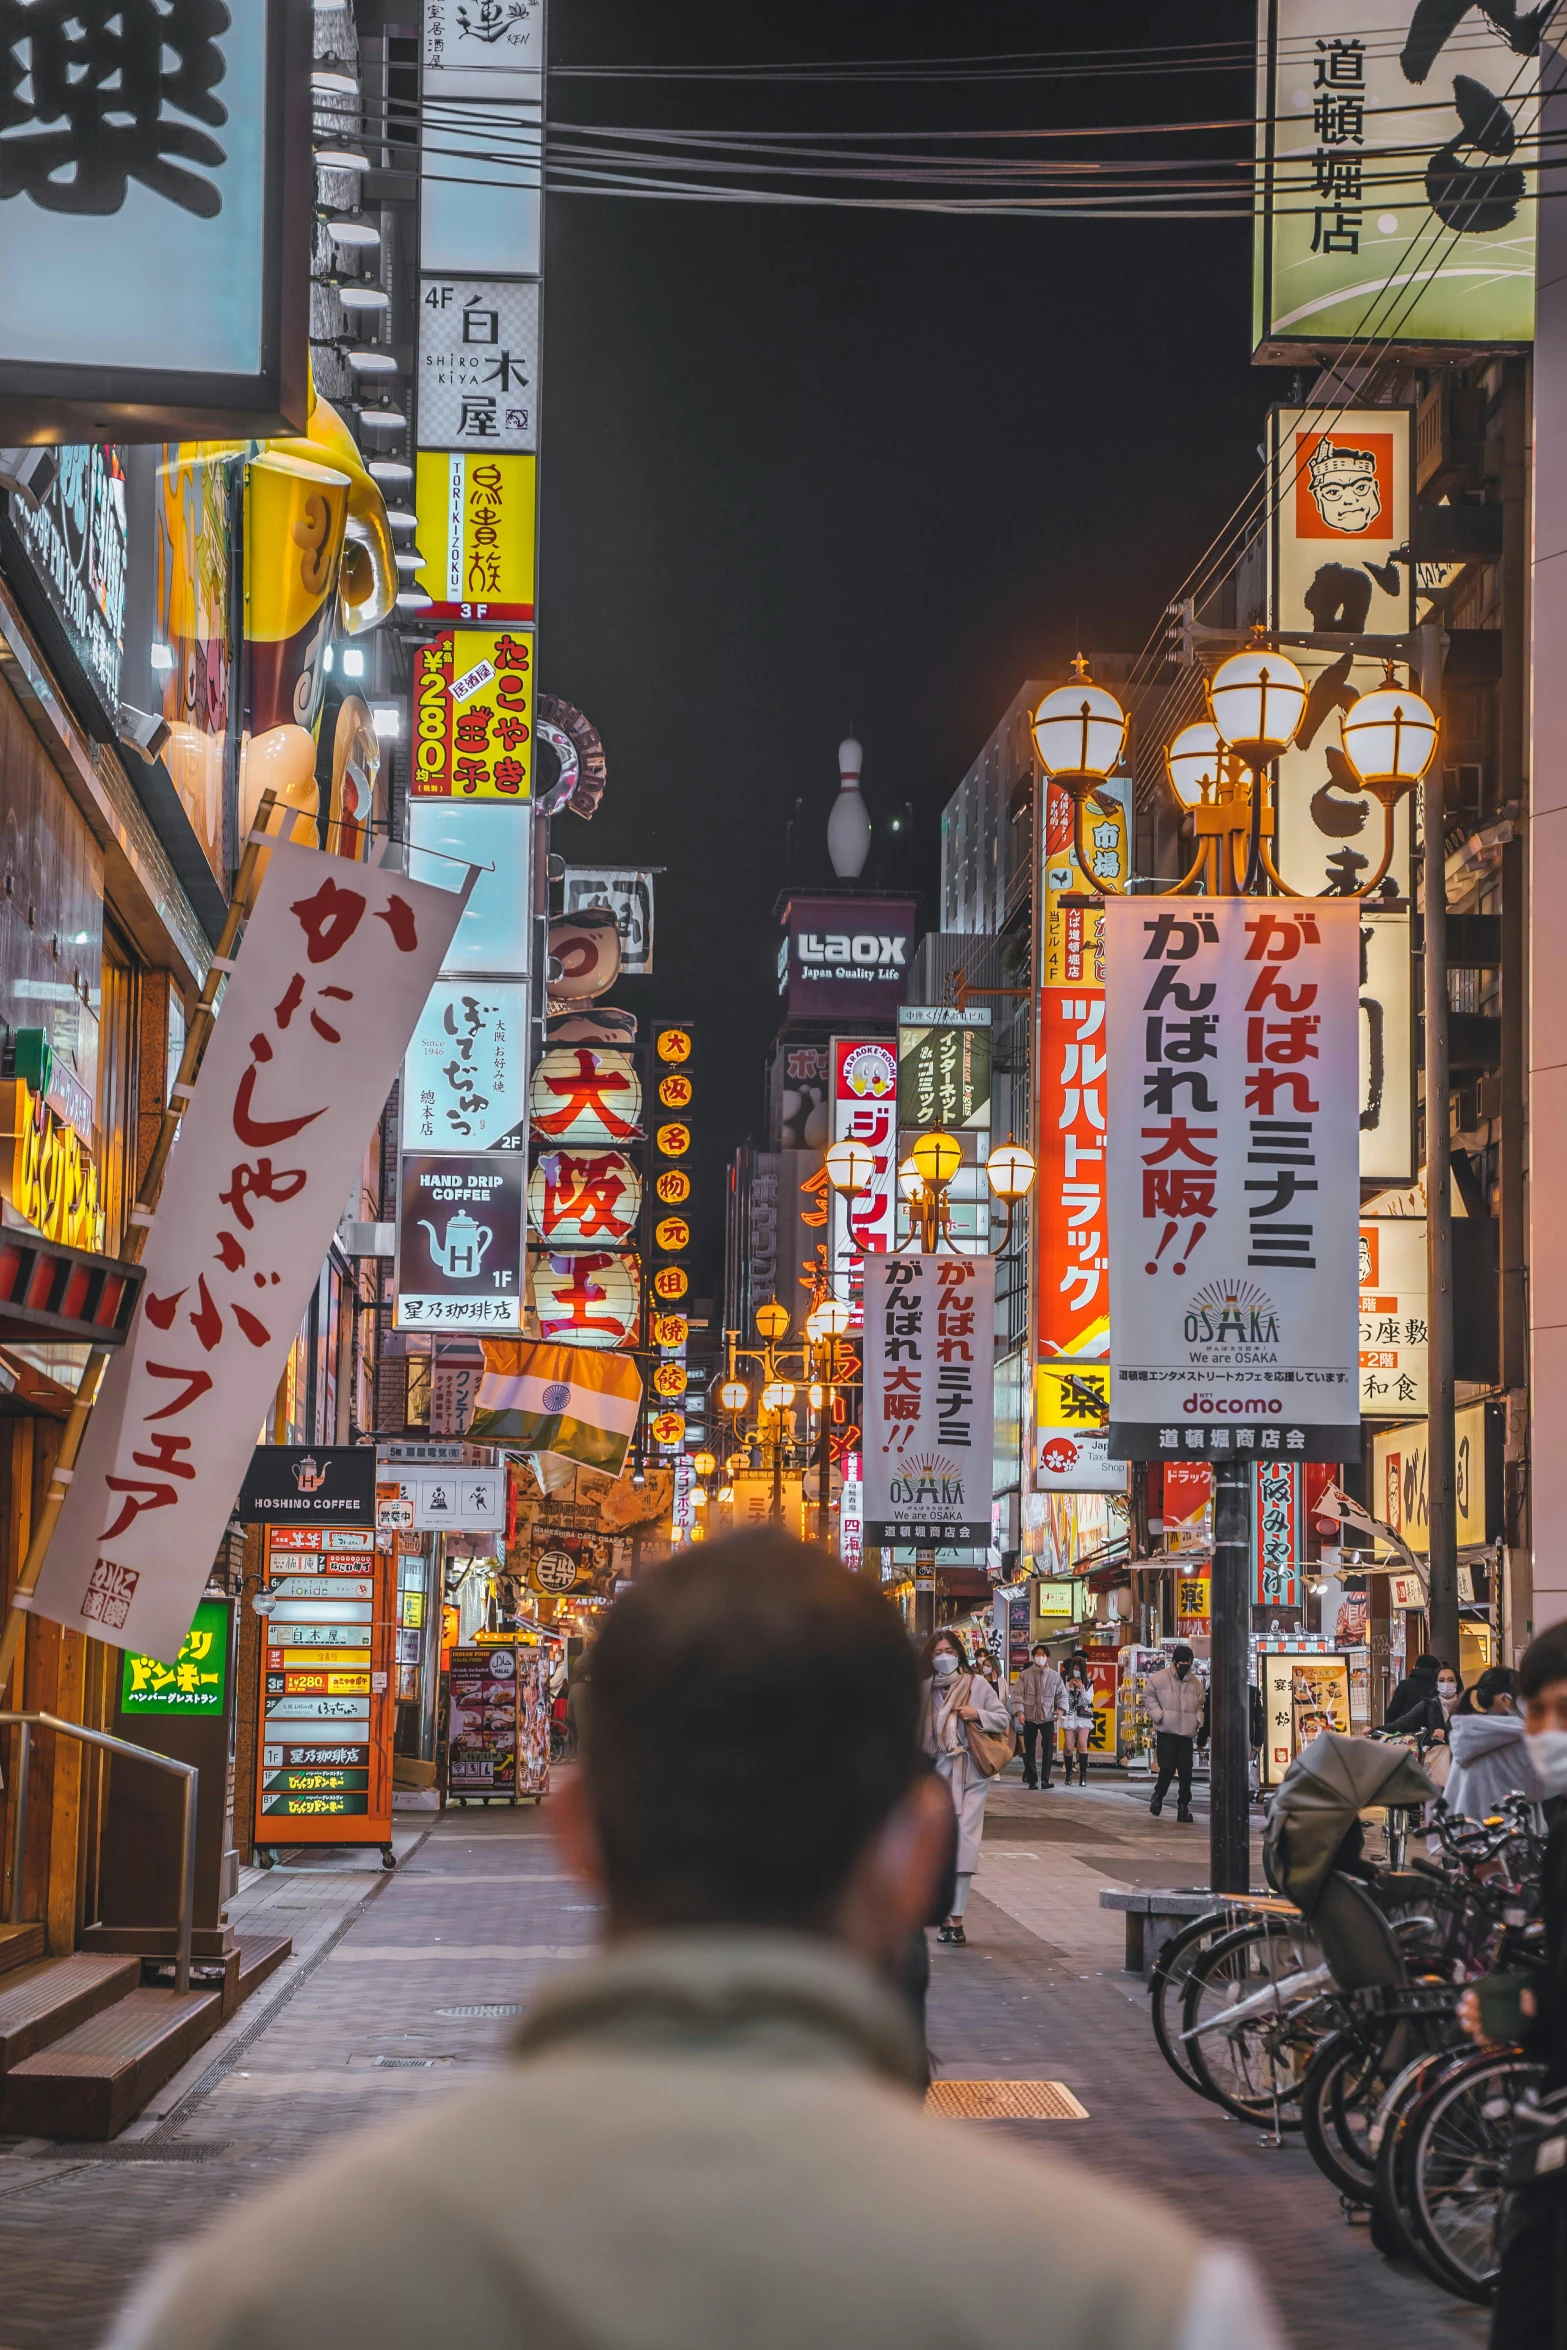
[957, 1699]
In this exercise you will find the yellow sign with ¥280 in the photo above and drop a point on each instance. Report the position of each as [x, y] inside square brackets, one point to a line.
[477, 535]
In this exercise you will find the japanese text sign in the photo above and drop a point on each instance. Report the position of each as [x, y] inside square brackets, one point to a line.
[583, 1094]
[194, 1683]
[585, 1198]
[1389, 200]
[1234, 1198]
[153, 263]
[464, 1079]
[1071, 1429]
[476, 532]
[478, 364]
[337, 960]
[943, 1067]
[460, 1233]
[929, 1399]
[1276, 1533]
[1393, 1322]
[473, 716]
[864, 1109]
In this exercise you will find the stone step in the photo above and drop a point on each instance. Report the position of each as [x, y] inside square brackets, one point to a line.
[19, 1946]
[98, 2078]
[41, 2003]
[260, 1955]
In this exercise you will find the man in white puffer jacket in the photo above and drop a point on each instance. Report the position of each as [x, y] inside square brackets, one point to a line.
[1177, 1702]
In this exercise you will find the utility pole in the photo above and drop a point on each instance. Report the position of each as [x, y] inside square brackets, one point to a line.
[1442, 1617]
[1229, 1674]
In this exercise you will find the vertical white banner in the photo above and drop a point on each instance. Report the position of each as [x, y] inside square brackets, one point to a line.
[929, 1400]
[337, 960]
[1234, 1177]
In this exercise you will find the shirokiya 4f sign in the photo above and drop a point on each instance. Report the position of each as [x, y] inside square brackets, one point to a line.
[155, 196]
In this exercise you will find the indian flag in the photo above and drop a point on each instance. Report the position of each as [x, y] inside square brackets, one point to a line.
[580, 1402]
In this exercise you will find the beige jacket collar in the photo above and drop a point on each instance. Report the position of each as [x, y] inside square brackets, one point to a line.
[755, 1995]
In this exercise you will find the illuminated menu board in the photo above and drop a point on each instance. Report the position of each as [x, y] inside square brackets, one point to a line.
[327, 1711]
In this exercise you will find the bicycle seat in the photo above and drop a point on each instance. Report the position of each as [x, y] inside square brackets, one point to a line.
[1357, 1941]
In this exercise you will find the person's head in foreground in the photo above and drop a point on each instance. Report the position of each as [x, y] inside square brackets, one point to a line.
[1542, 1699]
[711, 2134]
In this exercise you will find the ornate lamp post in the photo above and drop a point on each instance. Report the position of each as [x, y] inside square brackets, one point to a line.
[1218, 771]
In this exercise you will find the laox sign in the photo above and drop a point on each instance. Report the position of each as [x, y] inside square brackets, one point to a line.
[839, 946]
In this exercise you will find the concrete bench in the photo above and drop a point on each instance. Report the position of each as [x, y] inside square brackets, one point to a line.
[1152, 1918]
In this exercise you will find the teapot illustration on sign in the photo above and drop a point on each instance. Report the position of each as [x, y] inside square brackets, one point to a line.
[460, 1251]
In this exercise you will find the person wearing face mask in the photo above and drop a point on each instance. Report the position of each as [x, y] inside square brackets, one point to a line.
[1427, 1718]
[954, 1701]
[1530, 2310]
[1177, 1703]
[1490, 1758]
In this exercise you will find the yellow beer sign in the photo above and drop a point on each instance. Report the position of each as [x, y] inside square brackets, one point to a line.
[476, 533]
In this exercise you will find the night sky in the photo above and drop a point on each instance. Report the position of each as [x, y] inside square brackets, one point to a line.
[808, 469]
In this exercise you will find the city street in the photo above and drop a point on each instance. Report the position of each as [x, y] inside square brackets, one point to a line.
[403, 1984]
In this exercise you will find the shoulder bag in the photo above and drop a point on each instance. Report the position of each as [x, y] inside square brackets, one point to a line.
[990, 1750]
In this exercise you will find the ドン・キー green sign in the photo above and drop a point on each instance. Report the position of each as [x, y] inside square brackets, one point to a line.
[197, 1679]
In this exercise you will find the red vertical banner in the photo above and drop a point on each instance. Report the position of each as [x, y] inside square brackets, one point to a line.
[1276, 1533]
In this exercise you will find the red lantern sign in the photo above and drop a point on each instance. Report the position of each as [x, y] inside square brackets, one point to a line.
[592, 1196]
[581, 1094]
[588, 1299]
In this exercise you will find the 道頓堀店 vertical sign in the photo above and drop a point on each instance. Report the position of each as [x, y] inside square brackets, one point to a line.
[929, 1403]
[1234, 1200]
[1393, 178]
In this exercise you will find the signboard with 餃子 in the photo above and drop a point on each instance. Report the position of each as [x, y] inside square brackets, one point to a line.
[337, 959]
[928, 1399]
[476, 533]
[473, 716]
[153, 262]
[1232, 1044]
[1394, 196]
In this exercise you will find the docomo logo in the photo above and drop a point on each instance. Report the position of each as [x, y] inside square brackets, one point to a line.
[1245, 1405]
[838, 946]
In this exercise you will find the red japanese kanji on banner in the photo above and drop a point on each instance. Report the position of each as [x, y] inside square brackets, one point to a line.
[337, 960]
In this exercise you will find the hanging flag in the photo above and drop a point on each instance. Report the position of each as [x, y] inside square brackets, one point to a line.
[580, 1404]
[337, 961]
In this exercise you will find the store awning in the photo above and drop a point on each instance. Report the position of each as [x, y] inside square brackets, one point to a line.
[61, 1295]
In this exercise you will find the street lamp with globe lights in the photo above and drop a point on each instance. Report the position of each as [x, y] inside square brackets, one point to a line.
[1218, 772]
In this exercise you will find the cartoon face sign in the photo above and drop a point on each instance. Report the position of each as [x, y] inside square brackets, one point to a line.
[1344, 487]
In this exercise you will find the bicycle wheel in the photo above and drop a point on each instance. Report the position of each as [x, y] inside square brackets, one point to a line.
[1390, 2139]
[1459, 2142]
[1254, 2066]
[1167, 1983]
[1337, 2099]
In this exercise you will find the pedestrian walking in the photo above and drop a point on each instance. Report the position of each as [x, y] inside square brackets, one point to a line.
[736, 2071]
[1177, 1703]
[959, 1711]
[1038, 1701]
[1077, 1719]
[1418, 1684]
[1427, 1715]
[1489, 1745]
[1530, 2308]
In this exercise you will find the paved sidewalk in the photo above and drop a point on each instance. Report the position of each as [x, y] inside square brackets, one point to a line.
[404, 1983]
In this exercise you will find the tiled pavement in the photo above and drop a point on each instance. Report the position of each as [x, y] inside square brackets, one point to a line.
[369, 2016]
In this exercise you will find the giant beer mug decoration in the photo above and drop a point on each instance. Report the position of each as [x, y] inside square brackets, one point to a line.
[317, 562]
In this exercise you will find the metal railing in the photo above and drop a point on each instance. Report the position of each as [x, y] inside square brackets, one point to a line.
[25, 1725]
